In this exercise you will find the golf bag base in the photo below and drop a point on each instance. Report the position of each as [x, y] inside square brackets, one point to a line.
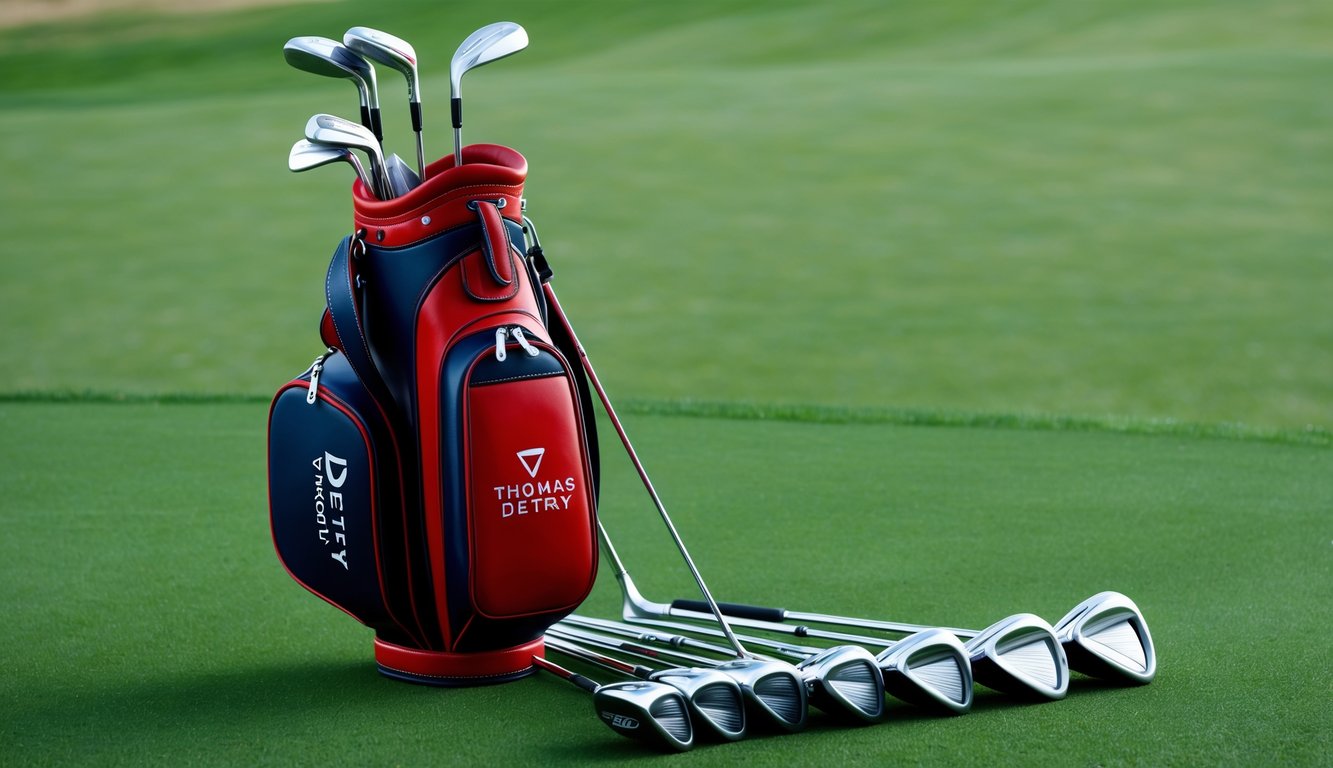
[455, 670]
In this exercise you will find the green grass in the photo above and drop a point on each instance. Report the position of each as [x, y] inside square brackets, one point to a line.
[148, 621]
[1110, 209]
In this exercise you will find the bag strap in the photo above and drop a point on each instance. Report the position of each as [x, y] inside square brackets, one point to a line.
[340, 292]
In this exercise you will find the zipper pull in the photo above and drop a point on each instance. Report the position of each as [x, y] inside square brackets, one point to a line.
[523, 342]
[316, 368]
[500, 334]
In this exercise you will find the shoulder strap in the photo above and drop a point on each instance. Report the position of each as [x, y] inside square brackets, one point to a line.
[340, 292]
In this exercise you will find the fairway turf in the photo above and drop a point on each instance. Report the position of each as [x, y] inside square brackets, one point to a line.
[1093, 208]
[148, 620]
[926, 311]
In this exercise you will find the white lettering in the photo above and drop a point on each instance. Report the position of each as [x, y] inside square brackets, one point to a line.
[329, 461]
[341, 557]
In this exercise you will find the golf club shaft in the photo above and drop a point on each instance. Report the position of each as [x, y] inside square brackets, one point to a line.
[636, 631]
[564, 674]
[640, 652]
[643, 476]
[740, 610]
[601, 660]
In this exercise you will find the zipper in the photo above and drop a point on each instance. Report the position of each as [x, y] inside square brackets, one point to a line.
[502, 335]
[316, 368]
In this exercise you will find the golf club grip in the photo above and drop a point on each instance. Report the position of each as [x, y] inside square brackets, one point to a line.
[738, 610]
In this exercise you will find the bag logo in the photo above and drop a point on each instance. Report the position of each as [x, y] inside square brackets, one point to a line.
[521, 499]
[532, 460]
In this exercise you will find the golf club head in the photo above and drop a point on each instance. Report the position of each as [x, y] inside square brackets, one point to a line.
[773, 690]
[402, 178]
[329, 58]
[490, 43]
[648, 712]
[929, 669]
[1106, 636]
[1020, 656]
[845, 680]
[331, 130]
[714, 699]
[305, 155]
[393, 52]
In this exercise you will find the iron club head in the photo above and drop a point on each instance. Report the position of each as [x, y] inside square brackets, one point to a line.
[649, 712]
[1106, 636]
[330, 130]
[490, 43]
[774, 690]
[929, 669]
[845, 680]
[305, 155]
[329, 58]
[1020, 655]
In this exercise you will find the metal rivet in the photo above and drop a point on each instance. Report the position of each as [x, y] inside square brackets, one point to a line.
[379, 235]
[425, 221]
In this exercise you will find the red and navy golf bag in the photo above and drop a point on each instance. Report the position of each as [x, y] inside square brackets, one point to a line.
[434, 474]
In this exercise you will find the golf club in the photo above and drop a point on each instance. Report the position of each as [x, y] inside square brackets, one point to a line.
[1018, 655]
[843, 681]
[329, 58]
[714, 699]
[396, 53]
[652, 713]
[305, 155]
[490, 43]
[330, 130]
[773, 690]
[1105, 636]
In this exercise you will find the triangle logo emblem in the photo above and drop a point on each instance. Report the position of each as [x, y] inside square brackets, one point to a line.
[532, 460]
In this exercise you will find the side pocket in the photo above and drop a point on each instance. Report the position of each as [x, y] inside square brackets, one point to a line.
[335, 503]
[531, 501]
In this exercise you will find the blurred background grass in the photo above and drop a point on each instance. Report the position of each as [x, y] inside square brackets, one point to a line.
[1081, 208]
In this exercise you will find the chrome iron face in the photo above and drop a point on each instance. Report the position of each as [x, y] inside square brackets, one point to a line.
[648, 712]
[304, 155]
[845, 680]
[1106, 636]
[714, 699]
[1020, 655]
[773, 690]
[329, 58]
[330, 130]
[490, 43]
[929, 669]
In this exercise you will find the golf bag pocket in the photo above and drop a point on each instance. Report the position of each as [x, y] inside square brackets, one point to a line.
[522, 455]
[335, 496]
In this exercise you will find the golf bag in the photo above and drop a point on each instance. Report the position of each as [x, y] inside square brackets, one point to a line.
[434, 474]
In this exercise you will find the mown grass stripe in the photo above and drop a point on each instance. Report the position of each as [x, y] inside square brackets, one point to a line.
[934, 417]
[802, 413]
